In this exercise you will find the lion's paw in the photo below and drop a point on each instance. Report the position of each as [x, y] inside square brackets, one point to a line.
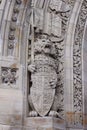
[33, 114]
[54, 114]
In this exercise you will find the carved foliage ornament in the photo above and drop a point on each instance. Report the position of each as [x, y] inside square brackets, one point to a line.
[11, 37]
[77, 58]
[8, 75]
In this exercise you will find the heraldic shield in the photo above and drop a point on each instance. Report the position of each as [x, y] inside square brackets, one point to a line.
[42, 94]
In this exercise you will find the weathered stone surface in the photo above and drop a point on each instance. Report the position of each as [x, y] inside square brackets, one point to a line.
[57, 85]
[45, 123]
[42, 94]
[46, 54]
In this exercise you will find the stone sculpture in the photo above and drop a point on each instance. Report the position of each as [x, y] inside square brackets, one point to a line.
[9, 75]
[44, 76]
[46, 33]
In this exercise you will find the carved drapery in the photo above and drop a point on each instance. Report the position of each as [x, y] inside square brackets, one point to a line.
[77, 63]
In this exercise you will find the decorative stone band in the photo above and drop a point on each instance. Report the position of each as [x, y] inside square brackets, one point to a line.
[77, 64]
[12, 29]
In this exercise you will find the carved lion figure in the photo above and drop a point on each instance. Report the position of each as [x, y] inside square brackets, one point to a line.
[43, 78]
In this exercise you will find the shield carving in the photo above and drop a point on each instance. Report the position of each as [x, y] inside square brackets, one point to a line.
[42, 94]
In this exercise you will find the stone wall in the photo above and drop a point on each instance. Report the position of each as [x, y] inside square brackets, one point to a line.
[14, 78]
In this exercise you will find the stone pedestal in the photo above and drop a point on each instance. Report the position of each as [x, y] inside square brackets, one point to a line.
[44, 123]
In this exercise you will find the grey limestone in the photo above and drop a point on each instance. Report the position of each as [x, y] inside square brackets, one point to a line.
[43, 65]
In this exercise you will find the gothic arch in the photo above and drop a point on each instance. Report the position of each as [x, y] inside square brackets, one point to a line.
[84, 73]
[16, 56]
[69, 39]
[75, 87]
